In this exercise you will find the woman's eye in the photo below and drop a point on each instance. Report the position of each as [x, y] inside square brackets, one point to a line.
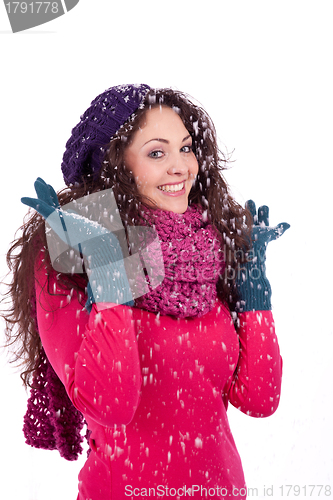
[156, 154]
[187, 149]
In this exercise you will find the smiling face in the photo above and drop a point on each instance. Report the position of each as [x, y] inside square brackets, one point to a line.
[162, 161]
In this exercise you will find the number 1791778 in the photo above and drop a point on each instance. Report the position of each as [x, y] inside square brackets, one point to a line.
[32, 7]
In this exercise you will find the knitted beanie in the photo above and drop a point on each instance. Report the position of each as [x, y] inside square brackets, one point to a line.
[107, 113]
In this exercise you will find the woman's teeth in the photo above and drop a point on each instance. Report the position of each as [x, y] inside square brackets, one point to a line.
[173, 188]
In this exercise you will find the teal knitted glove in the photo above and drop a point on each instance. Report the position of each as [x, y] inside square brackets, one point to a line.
[103, 255]
[252, 284]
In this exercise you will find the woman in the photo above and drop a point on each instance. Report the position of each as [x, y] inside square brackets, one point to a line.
[150, 354]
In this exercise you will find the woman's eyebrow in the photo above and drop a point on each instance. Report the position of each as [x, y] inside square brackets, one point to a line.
[164, 140]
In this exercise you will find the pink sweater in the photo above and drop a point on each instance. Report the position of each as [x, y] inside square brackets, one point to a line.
[154, 391]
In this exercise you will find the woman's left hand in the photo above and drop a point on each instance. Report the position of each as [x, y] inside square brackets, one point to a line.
[252, 284]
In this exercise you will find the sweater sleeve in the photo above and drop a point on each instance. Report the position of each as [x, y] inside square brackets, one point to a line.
[95, 356]
[256, 385]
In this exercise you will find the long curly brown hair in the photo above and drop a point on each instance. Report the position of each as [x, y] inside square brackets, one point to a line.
[210, 191]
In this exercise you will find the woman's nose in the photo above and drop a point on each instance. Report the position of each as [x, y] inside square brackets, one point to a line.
[177, 166]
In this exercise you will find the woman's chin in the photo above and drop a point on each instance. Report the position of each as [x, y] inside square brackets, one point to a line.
[178, 207]
[172, 203]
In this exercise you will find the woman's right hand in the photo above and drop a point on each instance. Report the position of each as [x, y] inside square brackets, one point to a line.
[101, 249]
[71, 227]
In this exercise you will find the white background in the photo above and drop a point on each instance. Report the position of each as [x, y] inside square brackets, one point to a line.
[263, 70]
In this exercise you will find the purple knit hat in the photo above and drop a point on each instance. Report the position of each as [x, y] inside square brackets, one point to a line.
[106, 114]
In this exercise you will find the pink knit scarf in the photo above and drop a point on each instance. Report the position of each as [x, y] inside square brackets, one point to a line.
[193, 261]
